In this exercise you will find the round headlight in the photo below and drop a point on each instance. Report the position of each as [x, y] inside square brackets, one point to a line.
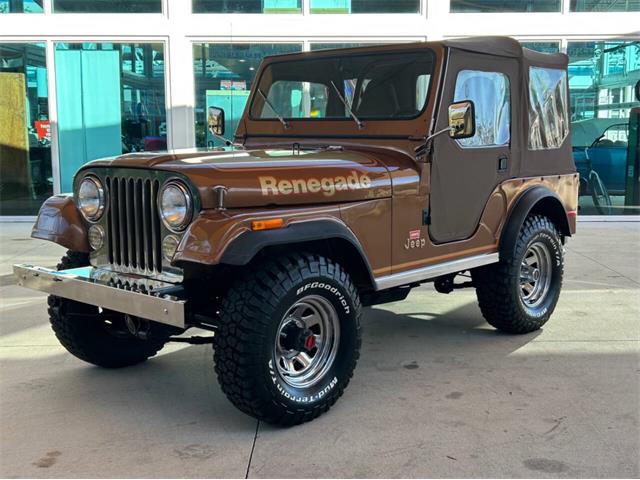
[175, 206]
[91, 198]
[169, 247]
[96, 237]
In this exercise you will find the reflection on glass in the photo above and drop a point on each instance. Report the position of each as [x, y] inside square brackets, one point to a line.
[247, 6]
[608, 6]
[107, 6]
[542, 47]
[25, 139]
[548, 110]
[604, 82]
[490, 94]
[110, 99]
[21, 6]
[364, 6]
[329, 46]
[369, 86]
[224, 74]
[500, 6]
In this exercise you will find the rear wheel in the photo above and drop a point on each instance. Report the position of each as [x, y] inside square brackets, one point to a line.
[289, 338]
[97, 336]
[519, 294]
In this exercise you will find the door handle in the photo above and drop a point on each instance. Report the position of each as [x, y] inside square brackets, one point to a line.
[503, 163]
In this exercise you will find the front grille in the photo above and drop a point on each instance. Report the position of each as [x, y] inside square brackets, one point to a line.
[133, 225]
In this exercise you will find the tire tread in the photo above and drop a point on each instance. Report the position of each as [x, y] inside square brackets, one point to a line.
[243, 326]
[494, 284]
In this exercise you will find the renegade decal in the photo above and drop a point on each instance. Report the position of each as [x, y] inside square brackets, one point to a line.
[328, 186]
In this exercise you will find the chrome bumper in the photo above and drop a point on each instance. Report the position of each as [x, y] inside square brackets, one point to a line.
[113, 291]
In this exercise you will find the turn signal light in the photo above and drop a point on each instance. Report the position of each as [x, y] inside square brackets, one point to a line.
[269, 224]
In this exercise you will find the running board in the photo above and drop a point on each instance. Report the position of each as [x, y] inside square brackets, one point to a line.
[433, 271]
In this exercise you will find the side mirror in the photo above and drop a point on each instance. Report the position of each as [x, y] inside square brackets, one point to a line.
[215, 121]
[462, 119]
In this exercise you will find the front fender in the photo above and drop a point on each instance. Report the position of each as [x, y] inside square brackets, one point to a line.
[219, 237]
[59, 221]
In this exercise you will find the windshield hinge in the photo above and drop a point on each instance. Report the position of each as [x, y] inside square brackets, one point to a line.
[426, 217]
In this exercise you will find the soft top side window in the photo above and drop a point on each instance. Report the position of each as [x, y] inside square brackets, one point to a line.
[548, 108]
[490, 93]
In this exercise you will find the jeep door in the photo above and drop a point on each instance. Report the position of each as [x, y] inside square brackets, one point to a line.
[464, 172]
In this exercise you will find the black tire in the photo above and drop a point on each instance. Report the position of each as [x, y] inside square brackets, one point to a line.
[501, 296]
[252, 316]
[85, 333]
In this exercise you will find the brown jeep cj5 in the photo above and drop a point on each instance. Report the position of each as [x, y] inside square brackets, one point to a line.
[354, 176]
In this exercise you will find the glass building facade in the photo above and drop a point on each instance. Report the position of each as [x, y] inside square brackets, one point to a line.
[364, 6]
[26, 177]
[504, 6]
[107, 6]
[106, 77]
[247, 6]
[224, 73]
[21, 6]
[111, 100]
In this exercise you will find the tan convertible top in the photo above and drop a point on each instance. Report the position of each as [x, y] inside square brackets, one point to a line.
[490, 45]
[502, 53]
[507, 47]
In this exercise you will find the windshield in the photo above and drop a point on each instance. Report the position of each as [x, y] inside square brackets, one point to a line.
[370, 86]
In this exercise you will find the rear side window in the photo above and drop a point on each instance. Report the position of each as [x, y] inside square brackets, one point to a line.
[489, 92]
[548, 108]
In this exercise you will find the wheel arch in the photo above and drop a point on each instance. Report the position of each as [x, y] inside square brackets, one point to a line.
[536, 200]
[329, 238]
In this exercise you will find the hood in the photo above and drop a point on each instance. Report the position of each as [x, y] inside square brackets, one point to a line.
[269, 177]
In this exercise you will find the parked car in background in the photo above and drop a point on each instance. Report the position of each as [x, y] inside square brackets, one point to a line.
[600, 154]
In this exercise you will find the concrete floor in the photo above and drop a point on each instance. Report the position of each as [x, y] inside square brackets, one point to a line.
[437, 392]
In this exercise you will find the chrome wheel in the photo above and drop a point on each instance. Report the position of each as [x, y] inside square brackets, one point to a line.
[535, 274]
[307, 341]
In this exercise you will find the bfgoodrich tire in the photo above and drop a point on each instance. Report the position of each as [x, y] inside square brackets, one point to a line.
[519, 294]
[289, 338]
[99, 338]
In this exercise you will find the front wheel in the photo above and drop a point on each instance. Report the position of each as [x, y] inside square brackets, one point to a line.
[519, 294]
[289, 338]
[97, 336]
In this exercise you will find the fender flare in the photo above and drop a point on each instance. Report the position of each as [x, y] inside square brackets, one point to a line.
[244, 248]
[533, 198]
[59, 221]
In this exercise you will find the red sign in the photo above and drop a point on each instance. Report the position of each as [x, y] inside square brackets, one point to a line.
[43, 129]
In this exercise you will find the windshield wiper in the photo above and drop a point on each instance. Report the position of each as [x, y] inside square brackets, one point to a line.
[284, 123]
[344, 102]
[227, 142]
